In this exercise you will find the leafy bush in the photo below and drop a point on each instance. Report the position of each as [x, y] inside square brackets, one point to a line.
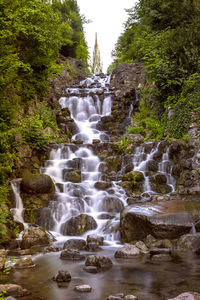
[32, 132]
[136, 130]
[3, 208]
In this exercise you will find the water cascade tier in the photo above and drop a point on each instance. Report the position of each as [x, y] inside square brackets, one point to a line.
[86, 201]
[83, 201]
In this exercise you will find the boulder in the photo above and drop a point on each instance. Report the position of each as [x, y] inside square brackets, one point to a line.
[78, 244]
[134, 176]
[71, 254]
[161, 257]
[111, 204]
[92, 247]
[101, 262]
[83, 288]
[187, 296]
[78, 225]
[34, 236]
[62, 276]
[90, 269]
[159, 183]
[25, 262]
[37, 184]
[103, 185]
[137, 221]
[95, 239]
[13, 290]
[130, 251]
[73, 176]
[189, 242]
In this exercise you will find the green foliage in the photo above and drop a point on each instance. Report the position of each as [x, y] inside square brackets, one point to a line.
[32, 132]
[2, 295]
[3, 208]
[123, 144]
[165, 36]
[134, 180]
[33, 33]
[7, 153]
[136, 130]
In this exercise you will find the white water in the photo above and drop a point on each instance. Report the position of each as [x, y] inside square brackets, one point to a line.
[72, 199]
[88, 104]
[165, 166]
[18, 211]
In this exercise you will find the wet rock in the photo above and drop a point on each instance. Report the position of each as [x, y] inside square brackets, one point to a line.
[114, 298]
[71, 254]
[10, 298]
[37, 183]
[101, 262]
[95, 239]
[187, 296]
[138, 221]
[34, 236]
[113, 163]
[159, 183]
[130, 251]
[91, 269]
[52, 249]
[102, 185]
[26, 262]
[78, 244]
[13, 290]
[158, 251]
[111, 204]
[133, 176]
[83, 288]
[78, 225]
[105, 216]
[91, 247]
[62, 276]
[189, 242]
[44, 218]
[161, 257]
[130, 297]
[72, 176]
[152, 166]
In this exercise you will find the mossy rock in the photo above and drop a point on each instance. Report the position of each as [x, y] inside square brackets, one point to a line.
[131, 189]
[73, 176]
[32, 204]
[76, 226]
[159, 184]
[113, 163]
[37, 183]
[134, 176]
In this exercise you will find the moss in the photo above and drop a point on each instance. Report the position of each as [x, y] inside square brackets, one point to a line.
[32, 204]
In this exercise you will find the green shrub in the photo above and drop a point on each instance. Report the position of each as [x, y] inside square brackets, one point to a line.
[32, 132]
[136, 130]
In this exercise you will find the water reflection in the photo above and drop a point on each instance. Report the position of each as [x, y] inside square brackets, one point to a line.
[141, 277]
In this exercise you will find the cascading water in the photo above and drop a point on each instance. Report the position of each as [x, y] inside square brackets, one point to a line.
[18, 211]
[141, 162]
[75, 169]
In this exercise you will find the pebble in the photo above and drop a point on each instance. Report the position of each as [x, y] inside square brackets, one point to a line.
[83, 288]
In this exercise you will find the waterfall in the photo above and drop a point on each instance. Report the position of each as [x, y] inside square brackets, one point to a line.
[142, 161]
[18, 211]
[87, 104]
[77, 171]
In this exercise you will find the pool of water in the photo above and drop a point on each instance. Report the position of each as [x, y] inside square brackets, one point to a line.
[148, 280]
